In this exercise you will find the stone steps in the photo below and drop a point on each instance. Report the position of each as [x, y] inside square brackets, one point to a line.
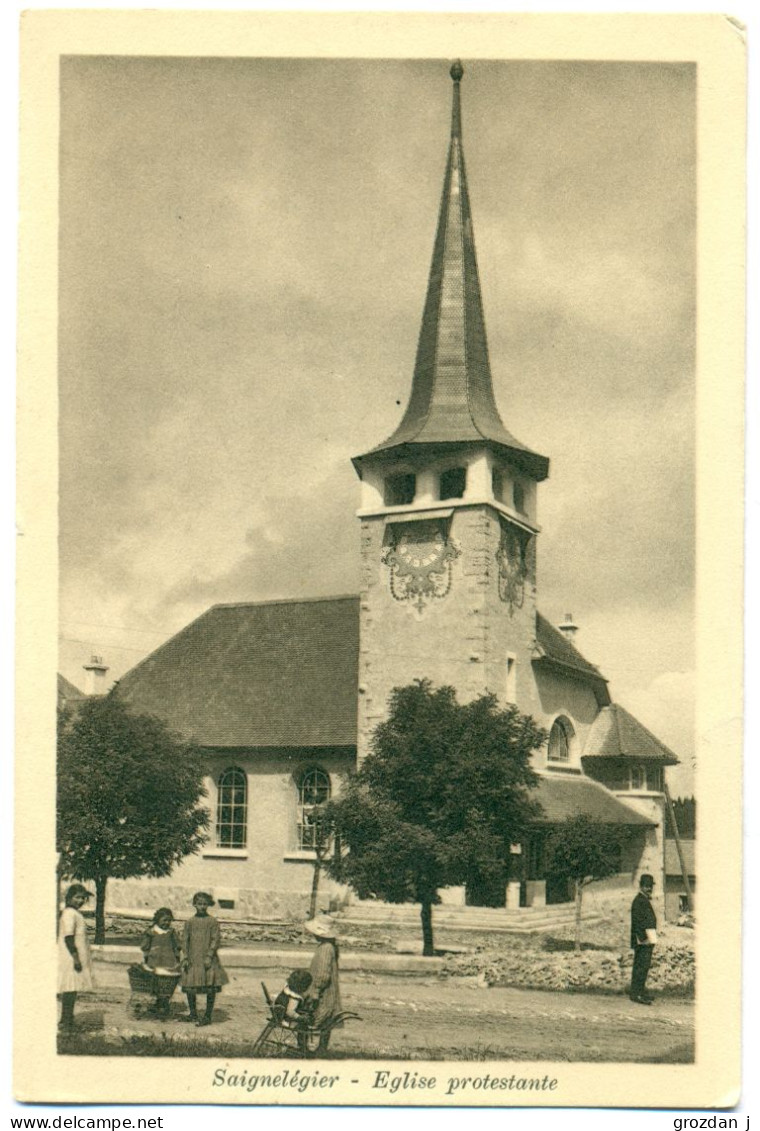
[448, 917]
[242, 958]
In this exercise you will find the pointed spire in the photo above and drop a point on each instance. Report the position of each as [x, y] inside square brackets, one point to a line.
[456, 72]
[452, 397]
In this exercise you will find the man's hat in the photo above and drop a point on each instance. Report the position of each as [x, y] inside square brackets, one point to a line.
[646, 880]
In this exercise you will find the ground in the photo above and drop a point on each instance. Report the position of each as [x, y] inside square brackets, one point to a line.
[412, 1017]
[541, 960]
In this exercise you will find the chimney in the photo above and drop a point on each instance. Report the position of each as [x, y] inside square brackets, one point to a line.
[95, 680]
[568, 628]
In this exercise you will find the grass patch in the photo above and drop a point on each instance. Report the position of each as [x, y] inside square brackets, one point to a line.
[158, 1045]
[149, 1044]
[136, 1045]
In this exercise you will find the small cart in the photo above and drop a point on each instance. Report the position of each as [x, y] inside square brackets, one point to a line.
[143, 988]
[282, 1037]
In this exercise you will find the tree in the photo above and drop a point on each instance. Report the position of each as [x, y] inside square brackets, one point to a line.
[583, 851]
[321, 838]
[438, 800]
[685, 812]
[129, 797]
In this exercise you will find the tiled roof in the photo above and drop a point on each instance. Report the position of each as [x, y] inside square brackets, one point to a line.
[67, 692]
[277, 673]
[280, 673]
[553, 647]
[452, 398]
[673, 864]
[567, 795]
[615, 733]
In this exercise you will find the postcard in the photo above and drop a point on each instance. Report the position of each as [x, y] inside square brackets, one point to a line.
[380, 570]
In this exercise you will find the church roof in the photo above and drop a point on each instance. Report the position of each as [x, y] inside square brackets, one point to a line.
[278, 673]
[615, 733]
[452, 399]
[673, 864]
[554, 648]
[275, 673]
[567, 795]
[67, 692]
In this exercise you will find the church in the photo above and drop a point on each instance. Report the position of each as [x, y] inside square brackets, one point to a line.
[284, 695]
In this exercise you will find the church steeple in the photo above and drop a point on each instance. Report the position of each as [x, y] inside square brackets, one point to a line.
[452, 400]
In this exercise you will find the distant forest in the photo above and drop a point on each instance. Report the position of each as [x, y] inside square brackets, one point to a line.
[685, 809]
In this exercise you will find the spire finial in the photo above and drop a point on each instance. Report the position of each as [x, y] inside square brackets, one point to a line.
[456, 72]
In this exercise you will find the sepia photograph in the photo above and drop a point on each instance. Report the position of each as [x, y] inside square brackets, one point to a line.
[380, 649]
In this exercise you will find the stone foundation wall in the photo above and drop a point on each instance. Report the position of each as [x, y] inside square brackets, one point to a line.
[143, 897]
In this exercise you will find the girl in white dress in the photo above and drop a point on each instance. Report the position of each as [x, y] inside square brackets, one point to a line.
[74, 962]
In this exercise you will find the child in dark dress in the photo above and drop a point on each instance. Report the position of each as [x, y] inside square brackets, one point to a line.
[290, 1007]
[202, 972]
[162, 953]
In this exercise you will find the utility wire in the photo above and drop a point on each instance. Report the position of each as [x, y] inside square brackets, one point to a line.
[102, 643]
[118, 627]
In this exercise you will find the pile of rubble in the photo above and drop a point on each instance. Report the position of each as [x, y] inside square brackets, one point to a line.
[599, 971]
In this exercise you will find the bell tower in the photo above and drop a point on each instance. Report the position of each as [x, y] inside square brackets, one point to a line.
[448, 502]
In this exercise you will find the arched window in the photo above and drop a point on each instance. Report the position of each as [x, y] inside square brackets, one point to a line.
[231, 808]
[313, 790]
[560, 738]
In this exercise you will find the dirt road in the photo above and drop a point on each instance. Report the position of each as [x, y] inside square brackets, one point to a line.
[426, 1018]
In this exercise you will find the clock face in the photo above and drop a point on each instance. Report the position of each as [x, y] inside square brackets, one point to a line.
[418, 550]
[514, 558]
[419, 559]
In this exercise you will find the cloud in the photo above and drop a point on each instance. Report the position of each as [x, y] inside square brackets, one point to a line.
[244, 254]
[667, 707]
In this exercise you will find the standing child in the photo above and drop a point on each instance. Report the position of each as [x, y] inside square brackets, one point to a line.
[74, 962]
[162, 953]
[202, 972]
[324, 991]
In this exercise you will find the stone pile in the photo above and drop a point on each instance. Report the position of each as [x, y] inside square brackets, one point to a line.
[599, 971]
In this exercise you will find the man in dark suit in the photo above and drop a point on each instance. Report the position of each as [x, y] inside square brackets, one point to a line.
[643, 938]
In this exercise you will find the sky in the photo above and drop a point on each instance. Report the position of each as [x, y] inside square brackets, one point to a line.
[244, 248]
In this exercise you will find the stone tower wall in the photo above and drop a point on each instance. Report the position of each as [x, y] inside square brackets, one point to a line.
[461, 639]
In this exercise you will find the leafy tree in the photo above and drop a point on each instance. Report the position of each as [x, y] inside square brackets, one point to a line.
[583, 851]
[685, 812]
[443, 792]
[129, 797]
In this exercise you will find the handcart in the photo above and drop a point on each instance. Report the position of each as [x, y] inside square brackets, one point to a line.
[144, 985]
[283, 1037]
